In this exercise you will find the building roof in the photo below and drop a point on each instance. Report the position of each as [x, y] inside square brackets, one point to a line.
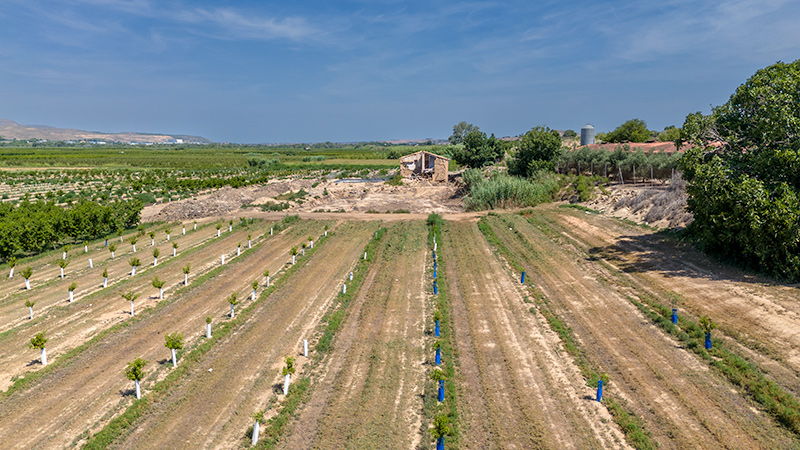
[410, 156]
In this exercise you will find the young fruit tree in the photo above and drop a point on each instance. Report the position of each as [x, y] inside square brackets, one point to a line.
[266, 274]
[254, 285]
[208, 327]
[156, 252]
[39, 341]
[326, 231]
[135, 372]
[186, 274]
[120, 232]
[288, 370]
[174, 342]
[152, 235]
[293, 252]
[438, 376]
[130, 296]
[133, 243]
[85, 247]
[112, 247]
[437, 316]
[230, 225]
[304, 248]
[64, 252]
[26, 274]
[168, 231]
[72, 288]
[311, 242]
[134, 262]
[174, 248]
[62, 264]
[159, 284]
[29, 303]
[258, 417]
[437, 346]
[12, 262]
[239, 249]
[249, 241]
[232, 300]
[195, 226]
[183, 231]
[218, 226]
[105, 277]
[441, 428]
[707, 325]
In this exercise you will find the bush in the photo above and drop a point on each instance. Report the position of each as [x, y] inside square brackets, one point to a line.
[506, 191]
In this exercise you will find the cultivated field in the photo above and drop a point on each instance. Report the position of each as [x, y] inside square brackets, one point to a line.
[521, 360]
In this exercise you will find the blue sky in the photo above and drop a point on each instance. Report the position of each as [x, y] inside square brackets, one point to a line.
[292, 71]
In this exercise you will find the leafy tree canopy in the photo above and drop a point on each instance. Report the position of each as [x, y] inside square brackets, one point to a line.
[479, 150]
[539, 149]
[460, 131]
[634, 130]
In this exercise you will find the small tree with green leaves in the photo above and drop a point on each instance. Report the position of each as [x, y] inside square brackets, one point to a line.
[230, 225]
[135, 372]
[133, 241]
[186, 274]
[12, 262]
[174, 342]
[152, 235]
[326, 230]
[293, 252]
[254, 285]
[258, 417]
[311, 242]
[238, 249]
[130, 296]
[707, 325]
[249, 241]
[134, 262]
[266, 274]
[438, 376]
[29, 303]
[218, 226]
[441, 428]
[120, 232]
[105, 277]
[38, 341]
[304, 248]
[62, 264]
[85, 247]
[64, 251]
[159, 284]
[72, 288]
[174, 248]
[288, 370]
[232, 300]
[168, 231]
[208, 327]
[26, 274]
[156, 252]
[112, 247]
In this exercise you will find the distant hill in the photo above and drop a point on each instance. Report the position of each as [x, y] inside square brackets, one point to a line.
[12, 130]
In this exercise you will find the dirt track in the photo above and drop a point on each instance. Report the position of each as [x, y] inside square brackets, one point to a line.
[683, 403]
[517, 391]
[368, 394]
[84, 395]
[211, 409]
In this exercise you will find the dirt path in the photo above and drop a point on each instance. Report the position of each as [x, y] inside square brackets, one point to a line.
[83, 396]
[759, 314]
[369, 392]
[212, 408]
[70, 324]
[683, 403]
[517, 391]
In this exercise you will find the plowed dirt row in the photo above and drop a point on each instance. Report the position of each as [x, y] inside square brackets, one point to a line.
[53, 291]
[517, 391]
[84, 395]
[758, 313]
[683, 403]
[212, 407]
[369, 392]
[70, 324]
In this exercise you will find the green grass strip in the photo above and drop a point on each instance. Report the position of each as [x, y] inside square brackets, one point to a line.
[121, 425]
[633, 426]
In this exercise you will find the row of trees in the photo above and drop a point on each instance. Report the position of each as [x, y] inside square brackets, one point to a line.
[31, 227]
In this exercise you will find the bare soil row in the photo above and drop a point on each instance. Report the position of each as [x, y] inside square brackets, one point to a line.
[682, 402]
[517, 389]
[79, 398]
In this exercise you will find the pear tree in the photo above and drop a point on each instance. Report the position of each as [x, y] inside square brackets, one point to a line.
[156, 252]
[168, 231]
[249, 241]
[266, 274]
[152, 235]
[208, 327]
[38, 341]
[441, 429]
[135, 372]
[258, 417]
[174, 342]
[62, 264]
[133, 241]
[134, 262]
[112, 247]
[218, 226]
[159, 284]
[293, 252]
[254, 285]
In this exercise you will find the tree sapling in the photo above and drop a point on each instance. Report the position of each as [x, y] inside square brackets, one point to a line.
[134, 262]
[159, 284]
[39, 341]
[72, 288]
[288, 370]
[26, 274]
[130, 296]
[174, 342]
[186, 274]
[135, 372]
[232, 300]
[29, 303]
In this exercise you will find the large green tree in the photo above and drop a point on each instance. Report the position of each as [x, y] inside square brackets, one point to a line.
[634, 130]
[479, 150]
[460, 131]
[744, 173]
[539, 149]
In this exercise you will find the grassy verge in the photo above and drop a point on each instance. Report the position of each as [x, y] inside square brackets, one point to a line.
[441, 303]
[121, 425]
[331, 323]
[634, 428]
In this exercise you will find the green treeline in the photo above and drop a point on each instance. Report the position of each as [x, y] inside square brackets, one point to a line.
[31, 227]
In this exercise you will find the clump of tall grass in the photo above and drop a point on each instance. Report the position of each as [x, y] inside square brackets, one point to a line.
[501, 190]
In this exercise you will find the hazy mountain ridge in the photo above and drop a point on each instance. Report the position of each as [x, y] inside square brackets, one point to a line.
[12, 130]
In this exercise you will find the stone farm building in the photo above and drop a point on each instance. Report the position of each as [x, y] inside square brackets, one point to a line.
[424, 164]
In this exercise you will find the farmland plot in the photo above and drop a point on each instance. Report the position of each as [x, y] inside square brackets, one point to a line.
[517, 390]
[212, 407]
[682, 402]
[81, 396]
[70, 324]
[368, 393]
